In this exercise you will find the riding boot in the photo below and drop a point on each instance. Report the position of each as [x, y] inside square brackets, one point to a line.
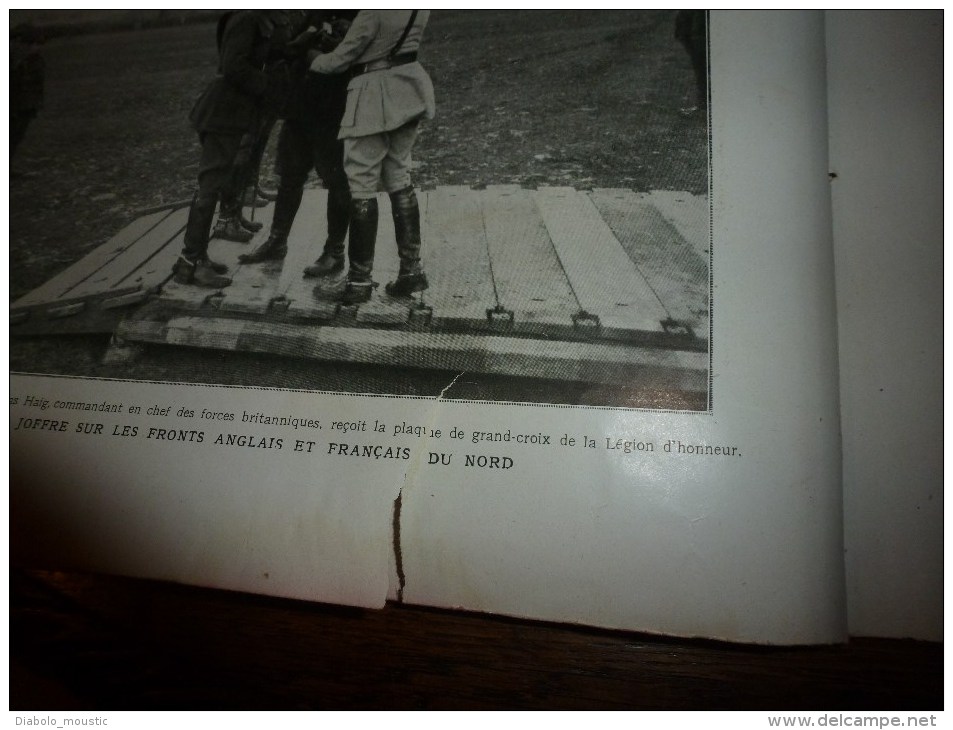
[411, 277]
[276, 247]
[331, 260]
[361, 242]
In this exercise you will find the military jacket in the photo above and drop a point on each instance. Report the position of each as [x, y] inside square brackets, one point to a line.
[382, 100]
[318, 99]
[232, 103]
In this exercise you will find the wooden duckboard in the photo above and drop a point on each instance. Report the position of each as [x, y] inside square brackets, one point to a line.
[549, 282]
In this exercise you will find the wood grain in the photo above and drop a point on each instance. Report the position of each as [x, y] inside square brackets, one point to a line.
[81, 641]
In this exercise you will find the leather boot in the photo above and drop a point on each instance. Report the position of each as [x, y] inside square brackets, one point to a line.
[253, 226]
[229, 224]
[411, 277]
[331, 261]
[195, 243]
[327, 264]
[256, 198]
[231, 229]
[361, 242]
[199, 272]
[274, 249]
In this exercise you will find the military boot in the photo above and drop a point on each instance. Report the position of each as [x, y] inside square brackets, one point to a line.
[331, 260]
[255, 197]
[201, 272]
[194, 266]
[274, 249]
[231, 229]
[361, 242]
[327, 264]
[411, 277]
[253, 226]
[229, 224]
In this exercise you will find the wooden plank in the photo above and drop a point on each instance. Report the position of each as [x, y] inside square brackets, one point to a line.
[603, 278]
[156, 269]
[243, 295]
[592, 362]
[121, 270]
[310, 298]
[305, 244]
[670, 264]
[253, 286]
[92, 263]
[529, 279]
[690, 214]
[456, 259]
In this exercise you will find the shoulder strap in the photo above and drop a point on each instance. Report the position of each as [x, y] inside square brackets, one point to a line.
[403, 36]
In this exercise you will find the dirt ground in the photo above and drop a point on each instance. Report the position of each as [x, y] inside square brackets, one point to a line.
[584, 99]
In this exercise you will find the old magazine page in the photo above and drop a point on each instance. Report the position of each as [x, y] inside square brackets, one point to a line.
[514, 311]
[887, 69]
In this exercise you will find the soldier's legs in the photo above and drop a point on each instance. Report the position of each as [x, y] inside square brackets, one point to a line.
[328, 157]
[253, 172]
[411, 277]
[395, 166]
[395, 171]
[363, 157]
[293, 167]
[194, 266]
[229, 225]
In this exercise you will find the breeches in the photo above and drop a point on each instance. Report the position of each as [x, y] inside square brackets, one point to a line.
[216, 163]
[379, 161]
[303, 146]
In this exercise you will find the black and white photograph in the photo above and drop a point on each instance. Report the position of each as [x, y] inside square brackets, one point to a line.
[497, 206]
[476, 359]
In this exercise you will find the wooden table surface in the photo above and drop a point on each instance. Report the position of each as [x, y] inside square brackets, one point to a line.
[81, 641]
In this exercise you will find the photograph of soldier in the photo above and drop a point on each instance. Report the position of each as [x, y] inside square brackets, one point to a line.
[389, 93]
[309, 140]
[252, 82]
[551, 237]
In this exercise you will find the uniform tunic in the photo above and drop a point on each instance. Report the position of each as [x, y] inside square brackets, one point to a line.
[384, 106]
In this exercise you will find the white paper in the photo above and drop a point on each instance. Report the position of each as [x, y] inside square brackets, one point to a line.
[886, 108]
[745, 547]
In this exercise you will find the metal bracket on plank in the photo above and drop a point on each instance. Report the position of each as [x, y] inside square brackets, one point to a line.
[585, 323]
[419, 316]
[676, 328]
[500, 318]
[279, 304]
